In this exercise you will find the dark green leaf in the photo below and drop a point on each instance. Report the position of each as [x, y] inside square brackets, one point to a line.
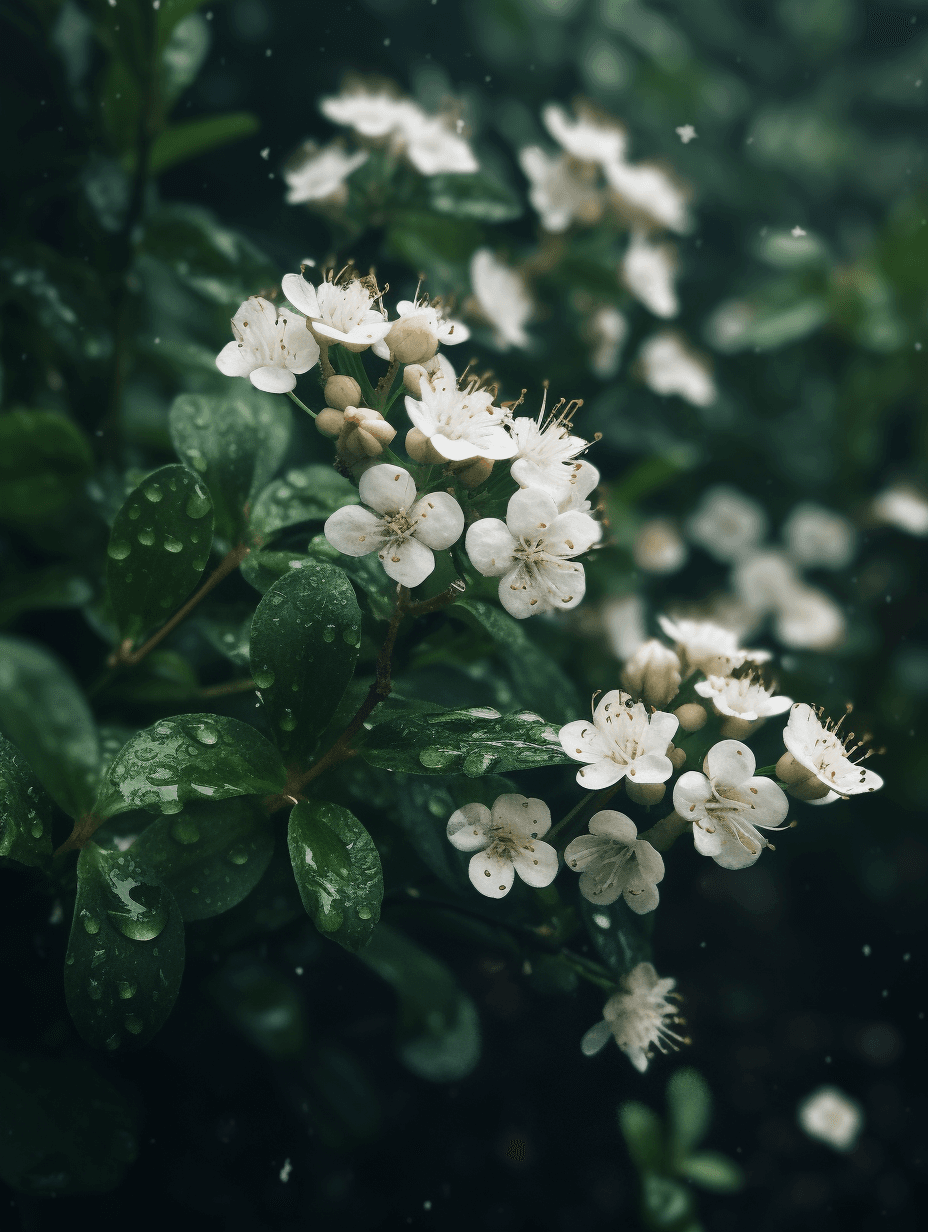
[262, 569]
[438, 1033]
[337, 871]
[477, 741]
[159, 546]
[305, 494]
[228, 630]
[63, 1128]
[235, 443]
[44, 459]
[643, 1133]
[183, 56]
[475, 196]
[45, 714]
[713, 1171]
[25, 810]
[304, 645]
[344, 1104]
[125, 954]
[689, 1104]
[625, 941]
[190, 757]
[192, 137]
[263, 1006]
[667, 1202]
[171, 12]
[210, 856]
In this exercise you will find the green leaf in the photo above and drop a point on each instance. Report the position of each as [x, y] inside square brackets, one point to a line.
[477, 741]
[643, 1133]
[183, 56]
[158, 549]
[210, 856]
[309, 493]
[304, 646]
[262, 569]
[538, 681]
[689, 1104]
[172, 12]
[228, 631]
[192, 137]
[263, 1006]
[713, 1171]
[625, 941]
[63, 1128]
[478, 197]
[44, 459]
[125, 954]
[25, 811]
[438, 1031]
[190, 757]
[667, 1202]
[45, 714]
[337, 871]
[235, 443]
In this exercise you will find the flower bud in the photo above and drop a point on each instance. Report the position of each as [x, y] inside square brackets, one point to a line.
[364, 434]
[692, 716]
[411, 342]
[735, 728]
[645, 793]
[342, 392]
[677, 756]
[421, 449]
[413, 376]
[475, 472]
[652, 673]
[330, 422]
[799, 780]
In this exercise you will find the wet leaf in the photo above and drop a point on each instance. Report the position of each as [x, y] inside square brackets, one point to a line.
[307, 493]
[158, 549]
[44, 459]
[25, 810]
[125, 954]
[714, 1171]
[625, 941]
[304, 645]
[45, 714]
[186, 140]
[190, 757]
[337, 871]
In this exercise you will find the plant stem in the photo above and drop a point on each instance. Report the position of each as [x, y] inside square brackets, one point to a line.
[596, 800]
[664, 833]
[385, 384]
[293, 398]
[223, 690]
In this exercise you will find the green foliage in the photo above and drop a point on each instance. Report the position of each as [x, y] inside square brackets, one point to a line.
[625, 941]
[25, 811]
[305, 494]
[44, 458]
[477, 196]
[125, 953]
[337, 871]
[186, 140]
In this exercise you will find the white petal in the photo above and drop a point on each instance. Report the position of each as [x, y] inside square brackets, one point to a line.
[491, 875]
[273, 380]
[536, 863]
[454, 448]
[354, 531]
[519, 598]
[388, 489]
[649, 861]
[564, 582]
[489, 546]
[730, 763]
[364, 334]
[769, 800]
[467, 827]
[600, 774]
[572, 533]
[494, 442]
[235, 359]
[642, 900]
[439, 519]
[380, 349]
[523, 815]
[586, 850]
[408, 563]
[582, 740]
[651, 768]
[302, 346]
[595, 1039]
[614, 825]
[690, 793]
[740, 847]
[662, 728]
[708, 842]
[531, 512]
[301, 294]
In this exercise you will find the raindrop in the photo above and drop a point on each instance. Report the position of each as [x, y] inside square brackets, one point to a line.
[36, 829]
[350, 636]
[436, 758]
[199, 503]
[94, 991]
[153, 493]
[364, 913]
[160, 774]
[264, 679]
[295, 688]
[205, 733]
[287, 722]
[91, 923]
[238, 855]
[141, 914]
[133, 1024]
[134, 511]
[118, 549]
[171, 805]
[126, 989]
[172, 545]
[112, 1042]
[147, 537]
[328, 633]
[185, 832]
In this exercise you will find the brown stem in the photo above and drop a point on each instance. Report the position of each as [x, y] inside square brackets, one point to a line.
[325, 364]
[385, 384]
[597, 800]
[222, 690]
[126, 657]
[80, 836]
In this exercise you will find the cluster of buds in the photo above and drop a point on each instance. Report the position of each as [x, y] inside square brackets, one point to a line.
[360, 433]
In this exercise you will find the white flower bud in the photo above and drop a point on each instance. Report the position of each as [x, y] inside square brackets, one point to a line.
[799, 780]
[692, 716]
[652, 673]
[421, 449]
[342, 392]
[677, 756]
[411, 341]
[330, 422]
[474, 471]
[364, 434]
[736, 728]
[645, 793]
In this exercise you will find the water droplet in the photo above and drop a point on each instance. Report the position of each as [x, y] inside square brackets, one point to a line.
[91, 923]
[172, 545]
[328, 633]
[364, 913]
[294, 688]
[199, 504]
[173, 485]
[112, 1042]
[185, 832]
[94, 990]
[350, 636]
[160, 774]
[287, 722]
[118, 549]
[436, 758]
[134, 511]
[36, 829]
[238, 855]
[133, 1024]
[153, 493]
[126, 989]
[205, 733]
[171, 805]
[264, 679]
[140, 913]
[147, 537]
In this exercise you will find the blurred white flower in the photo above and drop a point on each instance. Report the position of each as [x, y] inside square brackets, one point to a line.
[832, 1117]
[809, 619]
[818, 537]
[546, 450]
[820, 749]
[652, 673]
[322, 173]
[639, 1018]
[658, 547]
[742, 697]
[670, 367]
[612, 861]
[903, 506]
[648, 270]
[557, 192]
[531, 552]
[460, 423]
[726, 523]
[624, 625]
[340, 312]
[270, 346]
[686, 133]
[590, 139]
[707, 647]
[622, 739]
[607, 330]
[372, 113]
[506, 840]
[432, 317]
[760, 578]
[403, 531]
[727, 804]
[649, 194]
[502, 298]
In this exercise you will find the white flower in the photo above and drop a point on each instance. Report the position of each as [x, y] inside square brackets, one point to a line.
[432, 316]
[502, 299]
[707, 647]
[340, 312]
[589, 138]
[557, 192]
[403, 531]
[816, 536]
[583, 480]
[432, 145]
[545, 451]
[612, 861]
[902, 506]
[727, 523]
[821, 749]
[531, 553]
[686, 133]
[829, 1115]
[623, 620]
[607, 330]
[622, 739]
[658, 547]
[322, 174]
[506, 840]
[761, 578]
[727, 805]
[460, 423]
[372, 113]
[648, 271]
[742, 697]
[269, 347]
[669, 367]
[637, 1018]
[650, 193]
[808, 618]
[652, 673]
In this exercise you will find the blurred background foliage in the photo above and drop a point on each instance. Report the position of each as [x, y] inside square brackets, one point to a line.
[144, 153]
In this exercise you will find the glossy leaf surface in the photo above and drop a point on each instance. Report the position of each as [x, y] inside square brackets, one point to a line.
[304, 494]
[25, 810]
[44, 457]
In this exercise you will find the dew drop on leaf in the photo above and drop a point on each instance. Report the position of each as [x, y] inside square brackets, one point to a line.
[328, 633]
[94, 990]
[172, 545]
[287, 722]
[198, 504]
[153, 493]
[133, 1024]
[205, 733]
[238, 855]
[134, 512]
[126, 989]
[264, 679]
[118, 549]
[91, 923]
[185, 832]
[146, 537]
[364, 913]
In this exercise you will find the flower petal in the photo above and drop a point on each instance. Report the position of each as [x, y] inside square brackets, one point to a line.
[386, 488]
[595, 1039]
[521, 596]
[454, 448]
[467, 827]
[572, 533]
[439, 520]
[536, 863]
[600, 774]
[768, 800]
[707, 838]
[582, 741]
[531, 513]
[565, 583]
[235, 359]
[354, 531]
[585, 850]
[650, 862]
[740, 847]
[302, 347]
[408, 563]
[651, 768]
[690, 793]
[643, 899]
[491, 875]
[301, 294]
[730, 763]
[597, 886]
[617, 826]
[522, 815]
[489, 545]
[273, 380]
[662, 728]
